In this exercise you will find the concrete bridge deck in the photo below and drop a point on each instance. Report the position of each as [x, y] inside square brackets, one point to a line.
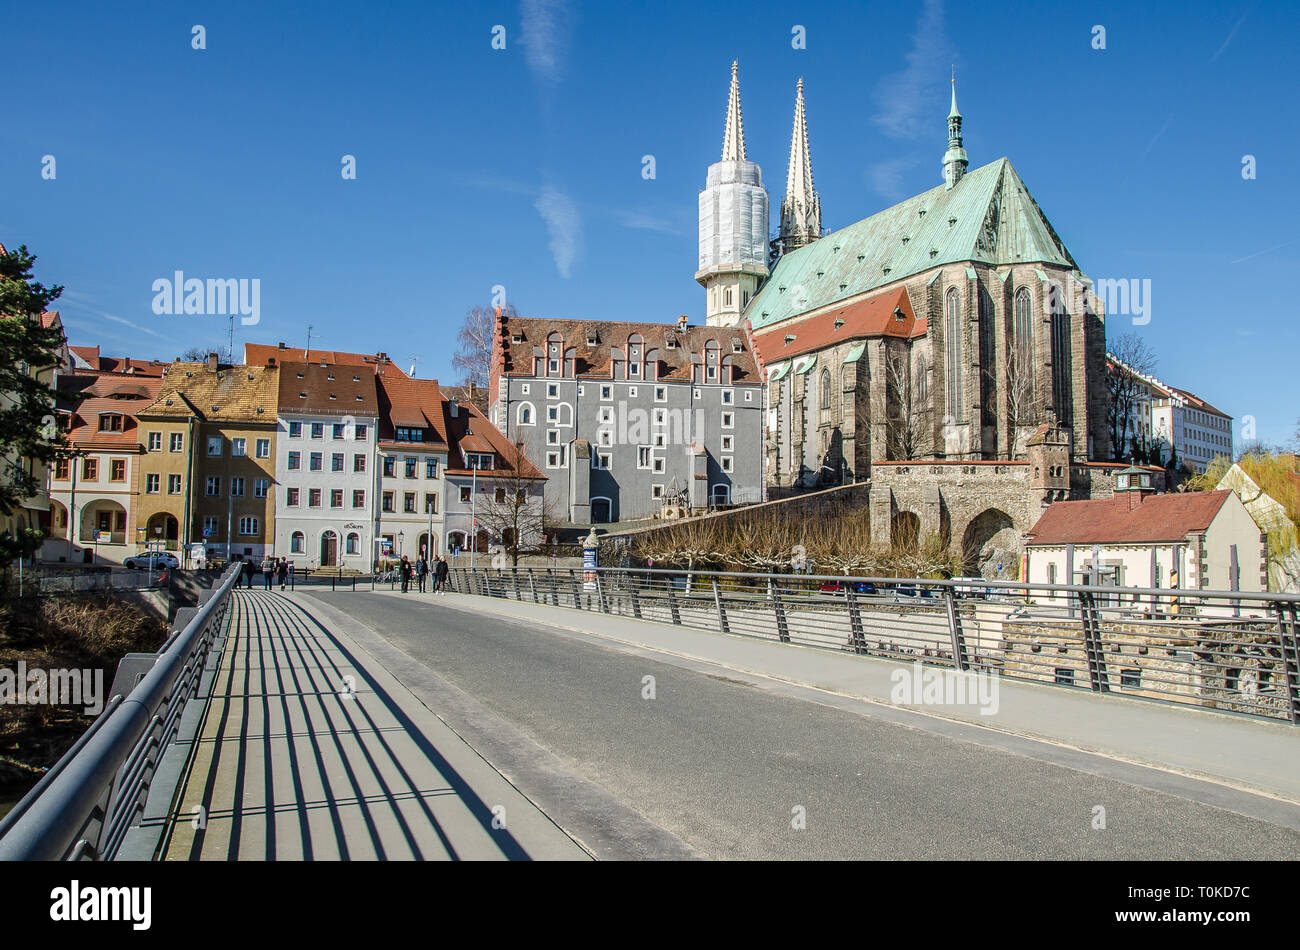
[311, 749]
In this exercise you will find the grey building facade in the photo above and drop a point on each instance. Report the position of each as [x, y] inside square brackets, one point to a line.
[627, 419]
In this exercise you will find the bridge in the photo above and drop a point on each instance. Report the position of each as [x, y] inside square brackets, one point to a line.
[570, 715]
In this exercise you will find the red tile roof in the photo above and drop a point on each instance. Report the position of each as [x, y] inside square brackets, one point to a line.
[875, 316]
[121, 396]
[335, 389]
[123, 366]
[1110, 521]
[596, 361]
[261, 354]
[413, 404]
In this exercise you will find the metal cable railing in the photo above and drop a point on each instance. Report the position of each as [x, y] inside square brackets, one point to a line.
[84, 806]
[1227, 650]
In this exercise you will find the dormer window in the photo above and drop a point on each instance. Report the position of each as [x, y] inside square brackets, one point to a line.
[592, 339]
[478, 460]
[516, 338]
[670, 343]
[737, 346]
[407, 434]
[110, 422]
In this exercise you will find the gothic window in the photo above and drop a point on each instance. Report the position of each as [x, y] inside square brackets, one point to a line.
[1062, 369]
[922, 384]
[952, 342]
[826, 390]
[988, 348]
[1023, 338]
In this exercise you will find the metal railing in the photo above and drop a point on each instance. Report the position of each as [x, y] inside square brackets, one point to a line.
[84, 806]
[1225, 650]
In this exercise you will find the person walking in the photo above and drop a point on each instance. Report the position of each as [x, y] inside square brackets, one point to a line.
[282, 570]
[421, 572]
[268, 570]
[440, 574]
[405, 569]
[249, 571]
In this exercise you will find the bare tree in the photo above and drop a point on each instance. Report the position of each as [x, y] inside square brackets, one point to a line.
[474, 344]
[904, 412]
[1131, 359]
[1024, 408]
[195, 354]
[513, 509]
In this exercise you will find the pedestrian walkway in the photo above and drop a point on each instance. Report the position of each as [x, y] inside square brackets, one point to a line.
[310, 749]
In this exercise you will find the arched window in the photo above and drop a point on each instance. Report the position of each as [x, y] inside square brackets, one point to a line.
[297, 543]
[952, 343]
[526, 414]
[988, 360]
[922, 384]
[354, 543]
[555, 355]
[1062, 370]
[635, 355]
[1022, 340]
[826, 389]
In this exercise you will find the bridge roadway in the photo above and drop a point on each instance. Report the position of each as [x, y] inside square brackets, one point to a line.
[749, 749]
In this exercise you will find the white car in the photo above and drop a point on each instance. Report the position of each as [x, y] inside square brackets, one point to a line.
[154, 560]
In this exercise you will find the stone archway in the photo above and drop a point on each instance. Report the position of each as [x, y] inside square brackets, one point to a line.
[165, 527]
[990, 539]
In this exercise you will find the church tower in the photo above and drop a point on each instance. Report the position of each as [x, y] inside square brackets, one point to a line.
[733, 223]
[801, 210]
[954, 160]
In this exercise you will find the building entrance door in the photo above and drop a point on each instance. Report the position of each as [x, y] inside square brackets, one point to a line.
[329, 549]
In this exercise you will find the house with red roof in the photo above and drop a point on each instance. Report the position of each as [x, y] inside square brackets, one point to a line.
[1188, 540]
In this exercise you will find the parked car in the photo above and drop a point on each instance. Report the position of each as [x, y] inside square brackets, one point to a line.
[152, 560]
[837, 587]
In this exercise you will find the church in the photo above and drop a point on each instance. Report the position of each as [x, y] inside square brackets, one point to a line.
[946, 349]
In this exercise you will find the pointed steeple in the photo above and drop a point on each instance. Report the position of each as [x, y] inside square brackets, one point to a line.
[733, 138]
[801, 210]
[954, 160]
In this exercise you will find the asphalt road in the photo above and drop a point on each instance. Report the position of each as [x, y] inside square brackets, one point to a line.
[730, 769]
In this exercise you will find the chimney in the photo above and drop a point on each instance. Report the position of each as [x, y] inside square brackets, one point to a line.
[455, 407]
[682, 321]
[212, 362]
[271, 361]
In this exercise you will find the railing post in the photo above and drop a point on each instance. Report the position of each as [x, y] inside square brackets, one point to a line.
[855, 621]
[532, 584]
[577, 591]
[555, 589]
[1289, 637]
[782, 628]
[672, 604]
[1092, 645]
[722, 613]
[959, 657]
[600, 595]
[636, 600]
[514, 576]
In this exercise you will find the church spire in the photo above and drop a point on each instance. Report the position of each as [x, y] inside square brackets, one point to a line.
[733, 139]
[801, 210]
[954, 160]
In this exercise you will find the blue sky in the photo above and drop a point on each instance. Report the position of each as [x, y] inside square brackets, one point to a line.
[522, 167]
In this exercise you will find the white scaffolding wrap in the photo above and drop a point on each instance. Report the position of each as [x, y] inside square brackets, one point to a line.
[733, 216]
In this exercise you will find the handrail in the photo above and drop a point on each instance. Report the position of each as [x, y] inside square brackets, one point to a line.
[87, 801]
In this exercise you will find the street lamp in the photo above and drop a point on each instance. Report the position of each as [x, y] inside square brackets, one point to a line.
[401, 543]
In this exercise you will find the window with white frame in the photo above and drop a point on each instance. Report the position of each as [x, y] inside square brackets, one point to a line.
[656, 491]
[552, 436]
[248, 525]
[260, 487]
[631, 392]
[644, 456]
[657, 464]
[727, 442]
[606, 436]
[727, 463]
[661, 417]
[555, 459]
[601, 460]
[264, 448]
[210, 526]
[152, 484]
[526, 415]
[728, 396]
[155, 441]
[606, 415]
[552, 391]
[214, 445]
[728, 420]
[524, 389]
[661, 394]
[606, 392]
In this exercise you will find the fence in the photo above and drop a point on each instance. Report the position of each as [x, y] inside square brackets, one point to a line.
[84, 807]
[1223, 650]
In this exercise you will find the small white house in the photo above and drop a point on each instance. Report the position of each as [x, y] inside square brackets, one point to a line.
[1188, 540]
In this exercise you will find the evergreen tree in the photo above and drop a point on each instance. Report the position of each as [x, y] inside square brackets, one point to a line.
[27, 431]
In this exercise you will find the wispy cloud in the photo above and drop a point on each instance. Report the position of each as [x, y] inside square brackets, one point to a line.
[564, 225]
[81, 302]
[545, 36]
[1269, 250]
[907, 104]
[1231, 34]
[641, 221]
[1156, 138]
[886, 178]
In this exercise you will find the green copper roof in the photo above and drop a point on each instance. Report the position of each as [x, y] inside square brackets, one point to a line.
[853, 355]
[987, 217]
[805, 364]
